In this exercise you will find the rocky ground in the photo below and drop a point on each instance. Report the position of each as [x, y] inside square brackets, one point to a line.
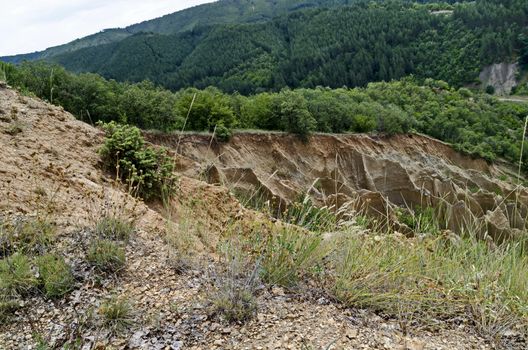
[49, 166]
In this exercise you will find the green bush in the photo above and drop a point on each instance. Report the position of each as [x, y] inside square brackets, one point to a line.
[56, 276]
[106, 255]
[490, 90]
[148, 169]
[294, 114]
[223, 133]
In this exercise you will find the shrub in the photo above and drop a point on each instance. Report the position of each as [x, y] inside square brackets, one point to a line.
[57, 278]
[117, 313]
[490, 90]
[223, 133]
[295, 116]
[113, 227]
[16, 277]
[147, 169]
[106, 255]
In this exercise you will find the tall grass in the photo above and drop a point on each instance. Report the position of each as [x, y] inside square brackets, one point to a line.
[435, 279]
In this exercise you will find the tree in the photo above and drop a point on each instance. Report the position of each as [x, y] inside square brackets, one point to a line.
[295, 117]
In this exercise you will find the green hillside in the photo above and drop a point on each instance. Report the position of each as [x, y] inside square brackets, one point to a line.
[350, 45]
[220, 12]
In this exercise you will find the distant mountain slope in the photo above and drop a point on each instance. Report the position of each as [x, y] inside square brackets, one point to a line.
[349, 45]
[220, 12]
[254, 45]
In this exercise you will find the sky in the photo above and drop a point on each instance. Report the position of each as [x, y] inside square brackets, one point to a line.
[34, 25]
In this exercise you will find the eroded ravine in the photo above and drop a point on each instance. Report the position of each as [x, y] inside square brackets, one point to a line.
[375, 173]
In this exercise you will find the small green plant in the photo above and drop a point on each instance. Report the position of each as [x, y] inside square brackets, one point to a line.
[116, 313]
[288, 254]
[235, 299]
[148, 170]
[15, 128]
[114, 228]
[7, 309]
[235, 305]
[490, 90]
[420, 220]
[16, 276]
[27, 236]
[56, 276]
[305, 214]
[106, 255]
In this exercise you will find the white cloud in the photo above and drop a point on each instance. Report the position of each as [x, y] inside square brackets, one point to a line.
[34, 25]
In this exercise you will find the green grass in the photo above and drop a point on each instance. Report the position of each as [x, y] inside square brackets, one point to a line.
[16, 276]
[28, 236]
[435, 278]
[287, 255]
[117, 314]
[114, 228]
[56, 276]
[106, 255]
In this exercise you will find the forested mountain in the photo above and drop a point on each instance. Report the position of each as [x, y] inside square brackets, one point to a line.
[255, 45]
[220, 12]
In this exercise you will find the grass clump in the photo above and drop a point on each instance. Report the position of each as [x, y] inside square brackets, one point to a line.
[114, 228]
[27, 236]
[7, 309]
[235, 299]
[235, 304]
[148, 170]
[16, 276]
[57, 278]
[435, 278]
[305, 214]
[287, 254]
[106, 255]
[116, 313]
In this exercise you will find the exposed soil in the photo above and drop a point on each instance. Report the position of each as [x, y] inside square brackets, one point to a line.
[49, 166]
[374, 173]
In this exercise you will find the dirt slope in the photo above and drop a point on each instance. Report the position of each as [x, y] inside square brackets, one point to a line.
[49, 166]
[374, 173]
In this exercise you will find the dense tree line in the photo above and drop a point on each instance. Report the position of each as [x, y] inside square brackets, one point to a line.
[350, 45]
[475, 123]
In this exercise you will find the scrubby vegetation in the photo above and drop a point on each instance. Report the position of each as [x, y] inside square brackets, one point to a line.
[56, 276]
[474, 123]
[116, 313]
[147, 170]
[114, 227]
[417, 280]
